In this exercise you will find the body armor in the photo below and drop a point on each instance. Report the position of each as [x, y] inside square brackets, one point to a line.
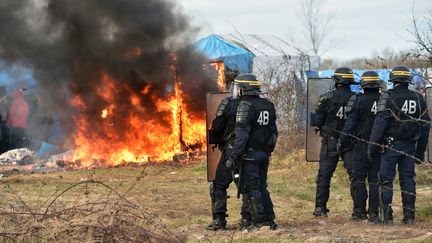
[262, 115]
[404, 107]
[370, 104]
[335, 109]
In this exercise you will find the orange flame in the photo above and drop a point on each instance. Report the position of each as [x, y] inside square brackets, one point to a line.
[146, 139]
[160, 133]
[220, 69]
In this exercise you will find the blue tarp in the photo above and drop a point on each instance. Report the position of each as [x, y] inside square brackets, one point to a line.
[17, 77]
[233, 56]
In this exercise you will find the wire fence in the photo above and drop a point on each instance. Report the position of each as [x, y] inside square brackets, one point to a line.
[73, 214]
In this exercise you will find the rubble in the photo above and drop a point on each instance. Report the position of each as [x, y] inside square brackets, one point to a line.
[21, 156]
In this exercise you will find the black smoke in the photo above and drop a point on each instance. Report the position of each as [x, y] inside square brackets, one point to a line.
[69, 43]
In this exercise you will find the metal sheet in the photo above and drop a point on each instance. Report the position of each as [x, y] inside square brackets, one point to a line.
[315, 88]
[213, 100]
[428, 95]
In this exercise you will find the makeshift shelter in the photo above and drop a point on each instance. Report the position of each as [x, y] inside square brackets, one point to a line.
[234, 57]
[274, 51]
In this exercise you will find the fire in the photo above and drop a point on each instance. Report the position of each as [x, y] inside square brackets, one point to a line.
[104, 113]
[150, 135]
[220, 69]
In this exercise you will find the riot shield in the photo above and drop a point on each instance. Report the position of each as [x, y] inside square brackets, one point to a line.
[213, 99]
[315, 88]
[429, 105]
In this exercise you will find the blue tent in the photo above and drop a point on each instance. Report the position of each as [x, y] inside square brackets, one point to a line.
[233, 56]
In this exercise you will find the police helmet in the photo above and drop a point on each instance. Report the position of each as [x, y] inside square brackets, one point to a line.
[343, 75]
[370, 80]
[248, 84]
[400, 74]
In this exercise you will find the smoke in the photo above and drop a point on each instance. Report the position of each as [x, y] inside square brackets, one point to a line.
[70, 45]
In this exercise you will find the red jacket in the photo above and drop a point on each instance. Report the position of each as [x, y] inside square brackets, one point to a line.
[18, 111]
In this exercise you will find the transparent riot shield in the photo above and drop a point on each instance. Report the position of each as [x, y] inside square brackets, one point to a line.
[213, 100]
[429, 105]
[315, 88]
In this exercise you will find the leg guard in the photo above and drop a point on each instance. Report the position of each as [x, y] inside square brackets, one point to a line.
[359, 194]
[212, 198]
[408, 197]
[373, 196]
[256, 204]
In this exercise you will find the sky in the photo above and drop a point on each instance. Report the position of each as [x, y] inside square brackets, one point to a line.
[358, 29]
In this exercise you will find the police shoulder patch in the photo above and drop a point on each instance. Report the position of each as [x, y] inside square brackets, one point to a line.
[222, 105]
[384, 101]
[243, 110]
[352, 102]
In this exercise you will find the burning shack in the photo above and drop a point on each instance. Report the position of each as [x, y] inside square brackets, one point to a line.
[122, 79]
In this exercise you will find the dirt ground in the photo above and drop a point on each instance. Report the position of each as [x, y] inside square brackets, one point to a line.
[177, 197]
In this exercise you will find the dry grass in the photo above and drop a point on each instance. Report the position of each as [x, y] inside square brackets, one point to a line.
[170, 203]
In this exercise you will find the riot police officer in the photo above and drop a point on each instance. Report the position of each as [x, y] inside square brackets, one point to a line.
[402, 123]
[255, 139]
[330, 119]
[361, 111]
[222, 135]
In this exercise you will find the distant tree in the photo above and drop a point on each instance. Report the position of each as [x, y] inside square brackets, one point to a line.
[421, 32]
[329, 63]
[316, 22]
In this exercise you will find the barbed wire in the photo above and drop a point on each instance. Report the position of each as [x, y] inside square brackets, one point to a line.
[116, 219]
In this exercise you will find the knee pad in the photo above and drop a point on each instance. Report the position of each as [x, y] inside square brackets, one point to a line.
[407, 182]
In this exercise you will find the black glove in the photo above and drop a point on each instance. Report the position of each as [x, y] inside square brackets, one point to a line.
[372, 151]
[419, 158]
[230, 163]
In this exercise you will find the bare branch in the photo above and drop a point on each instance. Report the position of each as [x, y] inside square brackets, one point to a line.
[317, 25]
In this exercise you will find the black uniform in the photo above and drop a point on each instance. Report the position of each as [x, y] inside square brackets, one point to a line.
[330, 119]
[255, 139]
[222, 134]
[402, 123]
[361, 111]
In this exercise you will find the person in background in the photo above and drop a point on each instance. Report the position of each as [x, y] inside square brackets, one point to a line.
[17, 119]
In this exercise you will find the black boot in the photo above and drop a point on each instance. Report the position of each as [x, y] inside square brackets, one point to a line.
[320, 211]
[387, 215]
[409, 216]
[270, 223]
[359, 214]
[245, 223]
[408, 220]
[374, 218]
[358, 217]
[219, 223]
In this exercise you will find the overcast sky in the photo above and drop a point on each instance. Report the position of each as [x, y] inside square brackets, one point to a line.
[359, 26]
